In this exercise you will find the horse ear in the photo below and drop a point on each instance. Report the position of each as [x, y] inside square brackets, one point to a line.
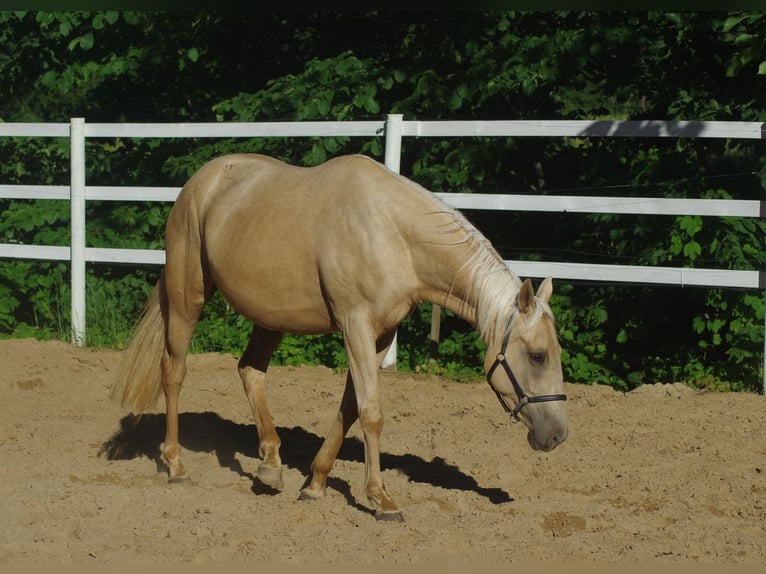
[545, 290]
[526, 296]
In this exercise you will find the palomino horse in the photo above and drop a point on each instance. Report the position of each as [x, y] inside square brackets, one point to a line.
[346, 246]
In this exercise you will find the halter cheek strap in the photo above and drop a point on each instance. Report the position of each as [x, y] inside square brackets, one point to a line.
[523, 398]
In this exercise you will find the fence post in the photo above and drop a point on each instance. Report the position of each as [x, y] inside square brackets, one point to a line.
[393, 161]
[436, 324]
[77, 243]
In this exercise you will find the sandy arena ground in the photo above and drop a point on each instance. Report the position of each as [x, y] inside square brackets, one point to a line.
[661, 474]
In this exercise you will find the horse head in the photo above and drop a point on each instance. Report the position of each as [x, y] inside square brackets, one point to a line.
[524, 369]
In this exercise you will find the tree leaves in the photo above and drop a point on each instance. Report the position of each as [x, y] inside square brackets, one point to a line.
[85, 42]
[746, 32]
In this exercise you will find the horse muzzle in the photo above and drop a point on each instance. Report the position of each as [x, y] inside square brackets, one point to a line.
[547, 439]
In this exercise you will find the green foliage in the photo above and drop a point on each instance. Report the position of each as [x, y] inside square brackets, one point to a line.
[745, 31]
[111, 297]
[581, 329]
[459, 353]
[118, 65]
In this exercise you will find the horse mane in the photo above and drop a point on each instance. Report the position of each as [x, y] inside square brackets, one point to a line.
[492, 285]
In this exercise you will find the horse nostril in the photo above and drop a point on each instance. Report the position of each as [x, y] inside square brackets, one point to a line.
[558, 438]
[555, 441]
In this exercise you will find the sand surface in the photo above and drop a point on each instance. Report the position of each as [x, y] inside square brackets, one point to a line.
[660, 474]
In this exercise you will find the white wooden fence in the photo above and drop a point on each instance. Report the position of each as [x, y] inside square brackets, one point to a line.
[394, 128]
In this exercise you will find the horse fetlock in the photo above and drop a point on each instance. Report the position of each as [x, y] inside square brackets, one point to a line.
[378, 497]
[171, 455]
[269, 453]
[386, 509]
[314, 491]
[176, 471]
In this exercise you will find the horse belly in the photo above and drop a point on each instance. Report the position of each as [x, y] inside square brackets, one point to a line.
[286, 311]
[273, 283]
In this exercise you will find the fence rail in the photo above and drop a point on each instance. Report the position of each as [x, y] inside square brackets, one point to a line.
[394, 129]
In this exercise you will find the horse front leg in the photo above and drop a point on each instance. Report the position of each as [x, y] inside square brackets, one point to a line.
[360, 400]
[252, 370]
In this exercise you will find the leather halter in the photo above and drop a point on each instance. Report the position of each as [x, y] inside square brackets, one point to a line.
[523, 398]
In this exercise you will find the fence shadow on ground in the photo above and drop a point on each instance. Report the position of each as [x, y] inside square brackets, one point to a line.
[141, 435]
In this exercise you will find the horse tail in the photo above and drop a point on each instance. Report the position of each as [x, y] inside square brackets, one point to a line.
[139, 378]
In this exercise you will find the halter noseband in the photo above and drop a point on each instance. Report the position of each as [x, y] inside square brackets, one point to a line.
[524, 398]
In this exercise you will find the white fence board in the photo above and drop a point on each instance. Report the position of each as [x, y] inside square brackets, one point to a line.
[44, 252]
[21, 129]
[583, 128]
[92, 254]
[235, 129]
[34, 192]
[127, 256]
[590, 204]
[647, 275]
[134, 193]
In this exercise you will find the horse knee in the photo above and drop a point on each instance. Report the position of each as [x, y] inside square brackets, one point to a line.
[371, 419]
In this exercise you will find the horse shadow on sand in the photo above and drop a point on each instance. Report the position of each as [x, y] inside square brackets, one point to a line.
[141, 435]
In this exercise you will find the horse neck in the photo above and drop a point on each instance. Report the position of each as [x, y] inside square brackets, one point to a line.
[456, 265]
[470, 279]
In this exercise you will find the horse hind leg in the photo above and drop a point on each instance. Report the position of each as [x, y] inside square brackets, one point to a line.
[180, 329]
[252, 370]
[328, 452]
[187, 288]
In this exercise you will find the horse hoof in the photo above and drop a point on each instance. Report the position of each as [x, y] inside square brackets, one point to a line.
[179, 479]
[306, 495]
[270, 476]
[389, 516]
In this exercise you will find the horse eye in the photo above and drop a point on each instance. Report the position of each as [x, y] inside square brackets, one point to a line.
[537, 358]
